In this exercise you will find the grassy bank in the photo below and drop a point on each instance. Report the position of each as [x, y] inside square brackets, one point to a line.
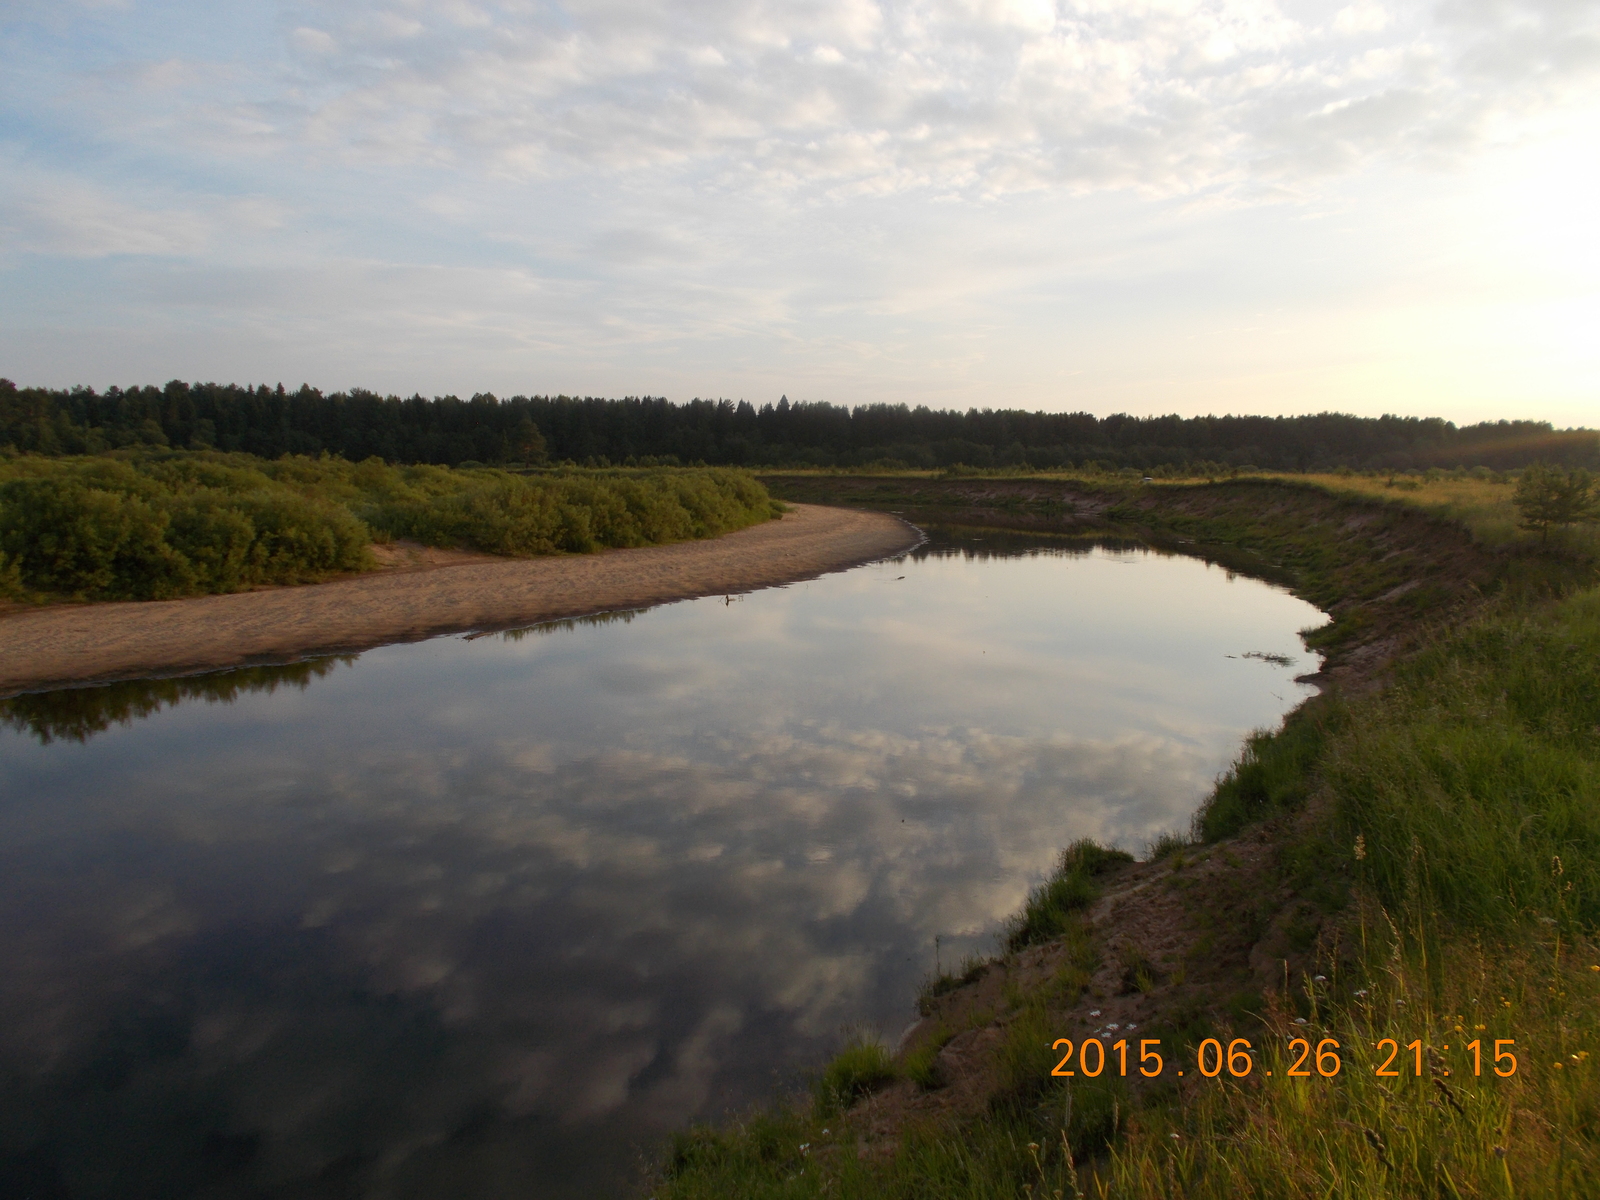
[137, 525]
[1417, 861]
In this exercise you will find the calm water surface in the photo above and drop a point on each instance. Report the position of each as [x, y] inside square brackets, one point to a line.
[485, 917]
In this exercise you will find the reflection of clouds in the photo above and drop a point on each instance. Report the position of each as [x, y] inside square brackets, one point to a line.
[475, 878]
[802, 827]
[767, 881]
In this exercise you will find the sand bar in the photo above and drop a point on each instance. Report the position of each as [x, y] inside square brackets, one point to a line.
[66, 644]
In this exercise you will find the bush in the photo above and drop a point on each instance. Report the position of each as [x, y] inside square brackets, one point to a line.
[570, 511]
[149, 524]
[64, 537]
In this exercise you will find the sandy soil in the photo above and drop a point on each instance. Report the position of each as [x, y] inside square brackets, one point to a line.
[421, 594]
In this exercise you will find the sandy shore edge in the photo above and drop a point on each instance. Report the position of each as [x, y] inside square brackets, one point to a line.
[97, 643]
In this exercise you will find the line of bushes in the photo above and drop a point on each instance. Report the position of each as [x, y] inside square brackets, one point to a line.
[142, 525]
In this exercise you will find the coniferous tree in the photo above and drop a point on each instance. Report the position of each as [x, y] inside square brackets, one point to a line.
[1547, 498]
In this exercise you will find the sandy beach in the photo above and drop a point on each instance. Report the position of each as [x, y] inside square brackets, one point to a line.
[422, 595]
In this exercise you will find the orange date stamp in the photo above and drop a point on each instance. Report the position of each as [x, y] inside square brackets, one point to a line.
[1309, 1061]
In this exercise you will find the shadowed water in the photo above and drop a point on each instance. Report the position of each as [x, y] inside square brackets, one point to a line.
[485, 917]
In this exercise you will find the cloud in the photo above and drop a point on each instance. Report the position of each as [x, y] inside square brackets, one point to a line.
[1362, 17]
[53, 213]
[978, 98]
[313, 41]
[840, 98]
[77, 220]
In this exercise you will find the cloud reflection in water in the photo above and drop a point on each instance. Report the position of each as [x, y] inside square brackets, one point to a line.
[472, 917]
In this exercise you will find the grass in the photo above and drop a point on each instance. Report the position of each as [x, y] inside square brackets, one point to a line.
[1463, 804]
[921, 1065]
[1441, 1132]
[789, 1155]
[1272, 775]
[1475, 780]
[1479, 500]
[861, 1068]
[1168, 844]
[1052, 906]
[942, 983]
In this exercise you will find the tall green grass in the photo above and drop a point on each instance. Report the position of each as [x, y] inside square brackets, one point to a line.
[138, 525]
[1473, 783]
[1272, 775]
[861, 1068]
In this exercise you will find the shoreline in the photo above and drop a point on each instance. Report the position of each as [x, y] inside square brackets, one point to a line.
[83, 645]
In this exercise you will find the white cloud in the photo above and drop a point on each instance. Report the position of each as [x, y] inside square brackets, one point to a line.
[76, 220]
[1361, 17]
[979, 98]
[313, 41]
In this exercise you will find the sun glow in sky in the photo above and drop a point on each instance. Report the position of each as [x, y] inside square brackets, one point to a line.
[1106, 205]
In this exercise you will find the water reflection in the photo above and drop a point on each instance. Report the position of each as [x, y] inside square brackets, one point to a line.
[77, 714]
[475, 918]
[566, 625]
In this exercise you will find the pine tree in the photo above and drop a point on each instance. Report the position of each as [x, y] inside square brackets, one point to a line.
[1547, 497]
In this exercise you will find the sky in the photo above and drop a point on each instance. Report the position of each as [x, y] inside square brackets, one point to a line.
[1143, 206]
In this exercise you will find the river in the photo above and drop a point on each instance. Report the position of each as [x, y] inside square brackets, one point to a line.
[490, 916]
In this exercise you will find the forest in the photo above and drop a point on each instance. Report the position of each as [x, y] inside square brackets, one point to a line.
[270, 421]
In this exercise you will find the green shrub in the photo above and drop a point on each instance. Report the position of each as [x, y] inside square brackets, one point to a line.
[151, 523]
[80, 541]
[572, 512]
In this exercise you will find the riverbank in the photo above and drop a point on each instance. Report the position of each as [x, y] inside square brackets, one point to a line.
[424, 595]
[1411, 856]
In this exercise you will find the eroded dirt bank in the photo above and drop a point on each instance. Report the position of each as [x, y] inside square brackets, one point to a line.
[428, 595]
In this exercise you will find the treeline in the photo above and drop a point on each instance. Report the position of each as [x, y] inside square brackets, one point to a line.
[272, 421]
[152, 524]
